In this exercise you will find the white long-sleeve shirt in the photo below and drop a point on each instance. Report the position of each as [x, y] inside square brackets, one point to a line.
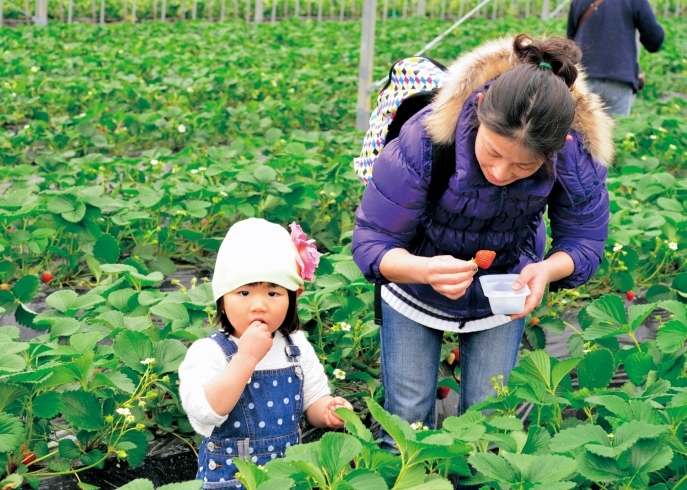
[205, 360]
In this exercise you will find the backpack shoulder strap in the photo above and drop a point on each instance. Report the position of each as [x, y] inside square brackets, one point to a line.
[443, 168]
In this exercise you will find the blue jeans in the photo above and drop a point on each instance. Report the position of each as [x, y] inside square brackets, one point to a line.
[410, 365]
[618, 96]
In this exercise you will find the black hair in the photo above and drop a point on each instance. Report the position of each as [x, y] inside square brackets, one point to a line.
[531, 103]
[290, 325]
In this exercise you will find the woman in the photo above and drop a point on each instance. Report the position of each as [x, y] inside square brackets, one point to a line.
[528, 134]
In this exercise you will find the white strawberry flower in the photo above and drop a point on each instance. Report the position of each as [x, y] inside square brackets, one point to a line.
[339, 374]
[124, 411]
[181, 128]
[672, 246]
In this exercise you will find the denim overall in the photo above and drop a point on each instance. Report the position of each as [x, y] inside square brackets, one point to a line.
[261, 426]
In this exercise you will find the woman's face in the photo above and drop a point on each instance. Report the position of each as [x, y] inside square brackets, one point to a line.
[502, 160]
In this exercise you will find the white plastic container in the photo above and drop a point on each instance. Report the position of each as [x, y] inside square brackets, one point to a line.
[502, 299]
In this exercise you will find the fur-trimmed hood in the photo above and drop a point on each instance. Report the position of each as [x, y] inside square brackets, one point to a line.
[474, 69]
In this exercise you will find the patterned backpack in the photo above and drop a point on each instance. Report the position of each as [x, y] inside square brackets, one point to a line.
[412, 84]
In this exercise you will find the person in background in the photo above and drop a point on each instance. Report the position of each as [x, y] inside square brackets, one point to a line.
[605, 32]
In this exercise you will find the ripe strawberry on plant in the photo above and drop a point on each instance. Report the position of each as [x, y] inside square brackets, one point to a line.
[534, 321]
[484, 258]
[630, 295]
[456, 352]
[46, 277]
[28, 458]
[442, 392]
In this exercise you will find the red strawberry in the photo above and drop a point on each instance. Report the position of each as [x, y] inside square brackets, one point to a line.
[28, 457]
[456, 352]
[442, 392]
[484, 258]
[203, 222]
[534, 321]
[630, 295]
[46, 277]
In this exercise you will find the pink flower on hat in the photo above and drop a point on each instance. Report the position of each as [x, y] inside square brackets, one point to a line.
[308, 257]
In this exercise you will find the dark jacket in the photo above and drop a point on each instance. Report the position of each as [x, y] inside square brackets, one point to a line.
[474, 214]
[607, 38]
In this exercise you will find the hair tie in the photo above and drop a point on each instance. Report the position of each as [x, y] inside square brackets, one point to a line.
[543, 64]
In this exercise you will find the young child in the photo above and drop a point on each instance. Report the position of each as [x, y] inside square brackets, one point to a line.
[246, 386]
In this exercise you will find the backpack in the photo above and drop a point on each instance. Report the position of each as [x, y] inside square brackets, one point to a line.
[412, 84]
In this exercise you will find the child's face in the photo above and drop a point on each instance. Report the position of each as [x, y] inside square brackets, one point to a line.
[502, 160]
[263, 302]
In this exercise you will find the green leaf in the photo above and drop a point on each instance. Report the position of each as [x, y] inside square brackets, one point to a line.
[135, 455]
[637, 429]
[68, 449]
[568, 440]
[337, 450]
[622, 281]
[550, 469]
[614, 404]
[649, 456]
[494, 467]
[609, 308]
[84, 342]
[83, 410]
[562, 368]
[175, 313]
[597, 468]
[120, 381]
[93, 457]
[64, 327]
[638, 365]
[639, 313]
[62, 300]
[10, 393]
[538, 365]
[106, 249]
[11, 432]
[354, 425]
[132, 348]
[26, 288]
[12, 363]
[506, 423]
[671, 336]
[168, 356]
[47, 405]
[538, 440]
[596, 369]
[193, 485]
[142, 484]
[396, 427]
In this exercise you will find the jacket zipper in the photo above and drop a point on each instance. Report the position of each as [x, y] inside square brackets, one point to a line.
[502, 204]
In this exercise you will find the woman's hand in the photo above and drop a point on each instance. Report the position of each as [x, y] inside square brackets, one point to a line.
[450, 276]
[536, 276]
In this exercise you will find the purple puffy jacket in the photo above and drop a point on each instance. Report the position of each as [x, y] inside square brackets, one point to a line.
[473, 214]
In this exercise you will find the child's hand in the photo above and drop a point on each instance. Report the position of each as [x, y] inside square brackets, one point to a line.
[256, 341]
[332, 420]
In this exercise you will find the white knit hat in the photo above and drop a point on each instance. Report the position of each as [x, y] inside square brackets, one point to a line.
[256, 250]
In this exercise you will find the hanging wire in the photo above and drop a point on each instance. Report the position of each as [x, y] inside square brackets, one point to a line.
[436, 40]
